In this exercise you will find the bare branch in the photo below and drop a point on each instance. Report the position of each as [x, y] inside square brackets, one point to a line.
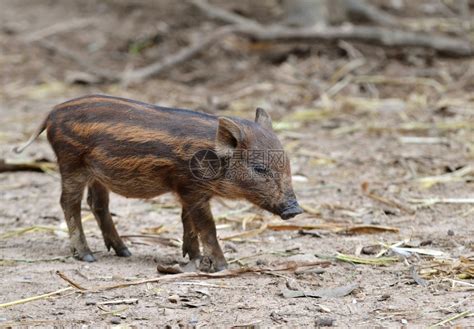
[223, 15]
[243, 26]
[376, 35]
[371, 13]
[178, 58]
[61, 27]
[102, 74]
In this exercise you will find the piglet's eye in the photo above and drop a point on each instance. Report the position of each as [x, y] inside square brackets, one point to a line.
[260, 169]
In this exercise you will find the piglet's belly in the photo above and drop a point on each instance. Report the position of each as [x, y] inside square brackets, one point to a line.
[134, 177]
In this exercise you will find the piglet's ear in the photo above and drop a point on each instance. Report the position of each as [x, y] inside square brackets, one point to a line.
[263, 118]
[229, 137]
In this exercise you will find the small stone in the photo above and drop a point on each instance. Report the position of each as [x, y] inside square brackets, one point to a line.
[173, 299]
[404, 321]
[324, 322]
[371, 250]
[292, 284]
[384, 297]
[450, 232]
[123, 316]
[262, 262]
[115, 320]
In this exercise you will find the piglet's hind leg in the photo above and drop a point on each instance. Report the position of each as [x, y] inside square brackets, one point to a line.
[98, 200]
[71, 196]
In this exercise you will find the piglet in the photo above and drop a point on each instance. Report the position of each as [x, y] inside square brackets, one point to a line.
[137, 150]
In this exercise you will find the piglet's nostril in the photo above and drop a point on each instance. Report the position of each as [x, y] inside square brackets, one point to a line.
[291, 210]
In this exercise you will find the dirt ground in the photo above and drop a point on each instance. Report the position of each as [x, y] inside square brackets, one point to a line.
[374, 129]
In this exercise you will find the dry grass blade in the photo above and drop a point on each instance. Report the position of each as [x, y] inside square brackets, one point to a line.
[433, 201]
[38, 166]
[72, 283]
[368, 229]
[405, 127]
[151, 240]
[155, 230]
[401, 81]
[381, 261]
[384, 200]
[452, 318]
[296, 227]
[233, 212]
[387, 248]
[311, 210]
[422, 140]
[31, 299]
[246, 234]
[337, 228]
[463, 268]
[422, 251]
[455, 176]
[30, 229]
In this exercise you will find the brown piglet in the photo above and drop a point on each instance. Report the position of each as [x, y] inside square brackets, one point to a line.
[137, 150]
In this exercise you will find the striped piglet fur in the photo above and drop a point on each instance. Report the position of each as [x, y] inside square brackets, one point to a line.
[137, 150]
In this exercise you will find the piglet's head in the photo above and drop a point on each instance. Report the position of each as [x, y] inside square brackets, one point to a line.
[256, 167]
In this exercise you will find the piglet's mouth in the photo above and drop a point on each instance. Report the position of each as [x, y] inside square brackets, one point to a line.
[291, 211]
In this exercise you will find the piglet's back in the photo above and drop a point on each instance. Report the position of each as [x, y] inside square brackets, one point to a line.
[142, 144]
[122, 125]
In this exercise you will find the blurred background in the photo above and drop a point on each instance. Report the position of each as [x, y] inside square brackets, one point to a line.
[373, 100]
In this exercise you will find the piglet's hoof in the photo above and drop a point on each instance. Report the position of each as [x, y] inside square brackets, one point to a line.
[209, 264]
[85, 258]
[124, 252]
[205, 264]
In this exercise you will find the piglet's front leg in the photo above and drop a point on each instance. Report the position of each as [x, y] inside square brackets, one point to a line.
[197, 216]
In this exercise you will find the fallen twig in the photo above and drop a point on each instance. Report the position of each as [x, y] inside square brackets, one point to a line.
[433, 201]
[30, 229]
[247, 234]
[377, 35]
[71, 283]
[40, 166]
[452, 318]
[31, 299]
[178, 58]
[99, 72]
[60, 27]
[249, 28]
[455, 176]
[172, 277]
[381, 261]
[386, 201]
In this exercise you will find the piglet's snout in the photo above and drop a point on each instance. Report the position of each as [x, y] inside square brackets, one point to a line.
[291, 209]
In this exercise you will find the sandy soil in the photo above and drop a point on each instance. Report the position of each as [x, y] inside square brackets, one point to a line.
[337, 143]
